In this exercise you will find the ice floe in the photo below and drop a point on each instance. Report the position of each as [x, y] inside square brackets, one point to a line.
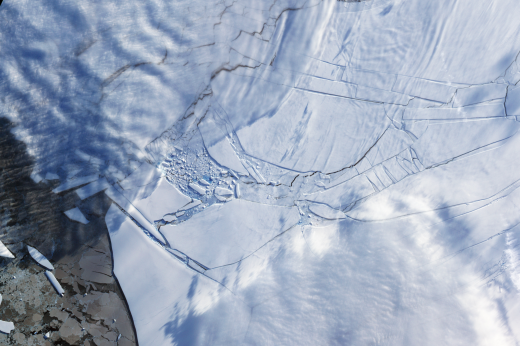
[52, 279]
[70, 184]
[92, 188]
[326, 212]
[39, 258]
[240, 227]
[124, 203]
[6, 327]
[4, 251]
[76, 215]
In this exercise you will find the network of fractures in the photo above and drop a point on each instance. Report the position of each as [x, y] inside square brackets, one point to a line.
[286, 172]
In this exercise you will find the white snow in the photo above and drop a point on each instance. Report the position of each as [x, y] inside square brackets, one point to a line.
[39, 258]
[326, 212]
[76, 215]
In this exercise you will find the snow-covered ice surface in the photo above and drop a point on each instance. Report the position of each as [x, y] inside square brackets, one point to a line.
[290, 172]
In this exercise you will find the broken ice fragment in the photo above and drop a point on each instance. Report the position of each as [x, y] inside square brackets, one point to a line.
[197, 188]
[203, 182]
[4, 251]
[70, 184]
[51, 176]
[165, 199]
[121, 200]
[224, 193]
[326, 212]
[76, 215]
[237, 190]
[193, 204]
[169, 218]
[47, 335]
[92, 188]
[38, 257]
[36, 177]
[6, 327]
[54, 283]
[180, 213]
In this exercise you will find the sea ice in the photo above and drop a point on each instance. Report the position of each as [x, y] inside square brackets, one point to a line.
[70, 184]
[6, 327]
[124, 203]
[92, 188]
[164, 199]
[239, 228]
[326, 212]
[76, 215]
[52, 279]
[51, 176]
[39, 258]
[156, 308]
[4, 251]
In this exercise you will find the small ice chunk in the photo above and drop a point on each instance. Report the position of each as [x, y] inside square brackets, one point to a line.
[237, 190]
[92, 188]
[41, 259]
[54, 283]
[204, 182]
[169, 218]
[47, 335]
[224, 193]
[76, 215]
[73, 172]
[4, 251]
[36, 177]
[180, 213]
[70, 184]
[96, 161]
[193, 204]
[6, 327]
[0, 299]
[51, 176]
[82, 155]
[197, 188]
[326, 212]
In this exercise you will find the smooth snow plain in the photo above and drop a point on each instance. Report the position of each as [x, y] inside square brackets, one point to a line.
[341, 173]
